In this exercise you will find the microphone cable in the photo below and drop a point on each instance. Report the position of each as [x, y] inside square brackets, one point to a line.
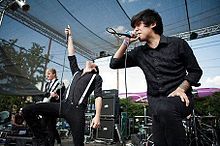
[126, 88]
[125, 69]
[114, 32]
[61, 79]
[128, 34]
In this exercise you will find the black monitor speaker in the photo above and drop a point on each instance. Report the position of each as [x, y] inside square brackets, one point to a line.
[106, 130]
[110, 103]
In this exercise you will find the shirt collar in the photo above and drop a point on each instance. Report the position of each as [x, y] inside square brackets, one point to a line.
[163, 40]
[52, 81]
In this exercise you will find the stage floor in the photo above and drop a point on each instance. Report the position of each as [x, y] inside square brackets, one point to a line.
[69, 142]
[26, 141]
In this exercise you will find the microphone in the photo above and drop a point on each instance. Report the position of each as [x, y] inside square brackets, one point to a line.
[127, 34]
[67, 35]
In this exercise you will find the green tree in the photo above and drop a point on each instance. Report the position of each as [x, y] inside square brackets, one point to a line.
[209, 105]
[132, 108]
[6, 102]
[29, 63]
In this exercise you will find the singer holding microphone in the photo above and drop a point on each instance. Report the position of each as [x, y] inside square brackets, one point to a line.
[170, 69]
[74, 105]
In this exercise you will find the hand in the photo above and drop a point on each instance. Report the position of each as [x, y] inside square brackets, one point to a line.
[127, 41]
[134, 38]
[54, 95]
[181, 93]
[95, 122]
[68, 31]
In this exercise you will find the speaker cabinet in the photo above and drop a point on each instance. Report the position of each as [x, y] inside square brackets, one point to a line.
[106, 130]
[110, 93]
[110, 103]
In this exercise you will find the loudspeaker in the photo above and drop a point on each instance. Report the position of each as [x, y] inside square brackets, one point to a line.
[106, 130]
[110, 93]
[110, 103]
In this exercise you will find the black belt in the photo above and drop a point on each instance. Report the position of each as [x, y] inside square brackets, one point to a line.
[81, 106]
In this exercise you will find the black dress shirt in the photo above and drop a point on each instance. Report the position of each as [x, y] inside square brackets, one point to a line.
[164, 67]
[80, 83]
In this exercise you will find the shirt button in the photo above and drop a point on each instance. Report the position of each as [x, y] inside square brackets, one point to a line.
[158, 78]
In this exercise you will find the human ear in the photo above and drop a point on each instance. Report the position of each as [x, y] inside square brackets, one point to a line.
[153, 25]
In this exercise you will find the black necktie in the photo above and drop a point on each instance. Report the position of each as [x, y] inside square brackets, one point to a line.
[48, 86]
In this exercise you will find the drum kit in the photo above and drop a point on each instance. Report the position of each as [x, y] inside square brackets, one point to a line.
[143, 124]
[200, 130]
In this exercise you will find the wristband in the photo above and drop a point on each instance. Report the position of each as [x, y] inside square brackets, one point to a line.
[126, 42]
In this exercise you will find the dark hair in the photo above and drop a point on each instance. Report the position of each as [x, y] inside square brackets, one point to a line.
[149, 17]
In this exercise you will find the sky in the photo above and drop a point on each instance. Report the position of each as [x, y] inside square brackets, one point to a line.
[205, 49]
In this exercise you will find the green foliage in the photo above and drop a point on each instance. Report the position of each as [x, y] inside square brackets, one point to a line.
[35, 63]
[209, 105]
[30, 62]
[133, 109]
[6, 102]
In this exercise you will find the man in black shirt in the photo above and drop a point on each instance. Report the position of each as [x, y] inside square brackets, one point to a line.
[170, 69]
[74, 105]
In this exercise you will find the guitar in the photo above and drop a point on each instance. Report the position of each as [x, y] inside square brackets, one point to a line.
[47, 99]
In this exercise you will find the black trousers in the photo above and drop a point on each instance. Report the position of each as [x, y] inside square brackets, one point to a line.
[74, 115]
[167, 116]
[50, 125]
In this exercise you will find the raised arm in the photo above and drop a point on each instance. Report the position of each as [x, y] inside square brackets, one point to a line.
[127, 41]
[70, 47]
[117, 61]
[71, 51]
